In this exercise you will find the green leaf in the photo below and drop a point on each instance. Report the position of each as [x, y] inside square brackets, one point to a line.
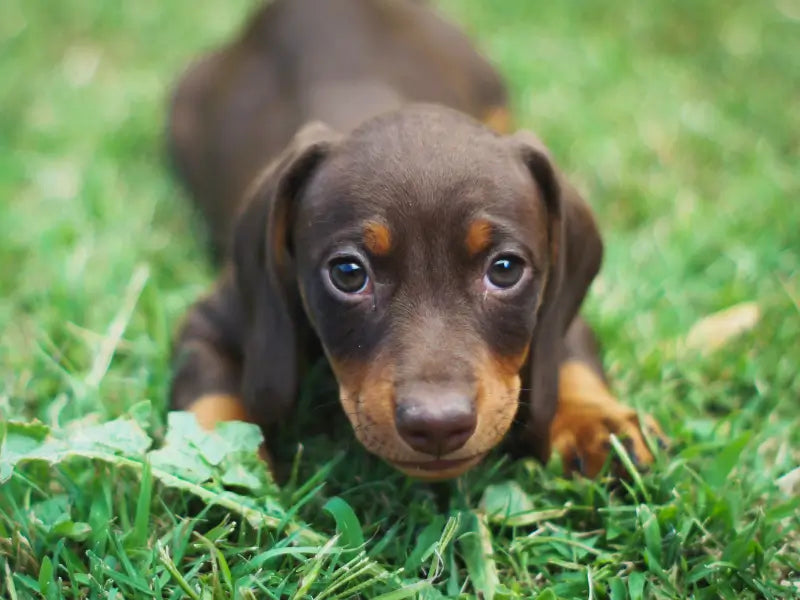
[52, 511]
[346, 522]
[76, 531]
[185, 436]
[652, 532]
[636, 581]
[238, 476]
[617, 589]
[122, 436]
[21, 437]
[46, 576]
[504, 500]
[196, 455]
[16, 440]
[243, 437]
[182, 463]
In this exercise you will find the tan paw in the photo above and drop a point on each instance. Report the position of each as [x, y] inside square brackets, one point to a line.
[586, 418]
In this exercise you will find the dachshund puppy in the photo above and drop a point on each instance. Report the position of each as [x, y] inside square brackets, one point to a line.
[351, 158]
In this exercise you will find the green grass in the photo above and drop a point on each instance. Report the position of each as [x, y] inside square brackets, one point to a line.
[679, 119]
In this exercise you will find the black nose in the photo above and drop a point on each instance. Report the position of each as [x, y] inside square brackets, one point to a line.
[435, 419]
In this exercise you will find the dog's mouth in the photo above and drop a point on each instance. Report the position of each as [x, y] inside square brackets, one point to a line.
[438, 468]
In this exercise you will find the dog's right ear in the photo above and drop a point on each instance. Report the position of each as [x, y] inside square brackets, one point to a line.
[264, 275]
[576, 251]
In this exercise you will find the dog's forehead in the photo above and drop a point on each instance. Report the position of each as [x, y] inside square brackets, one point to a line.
[427, 168]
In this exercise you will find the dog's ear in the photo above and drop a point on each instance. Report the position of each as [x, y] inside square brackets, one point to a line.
[264, 274]
[576, 252]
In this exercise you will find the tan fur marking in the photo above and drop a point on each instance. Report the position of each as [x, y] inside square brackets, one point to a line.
[479, 236]
[587, 415]
[510, 366]
[498, 119]
[216, 408]
[366, 393]
[377, 238]
[498, 398]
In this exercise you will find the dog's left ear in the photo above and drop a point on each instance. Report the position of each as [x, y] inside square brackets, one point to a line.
[264, 274]
[576, 252]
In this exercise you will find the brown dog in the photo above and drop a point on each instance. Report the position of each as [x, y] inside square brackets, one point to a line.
[437, 263]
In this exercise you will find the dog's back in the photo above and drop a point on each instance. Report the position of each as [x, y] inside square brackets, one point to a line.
[338, 61]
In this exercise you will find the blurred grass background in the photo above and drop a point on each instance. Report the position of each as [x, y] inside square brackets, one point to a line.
[680, 121]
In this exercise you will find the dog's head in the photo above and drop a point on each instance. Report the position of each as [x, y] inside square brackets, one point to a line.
[433, 259]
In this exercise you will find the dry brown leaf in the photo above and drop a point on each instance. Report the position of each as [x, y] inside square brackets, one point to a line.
[715, 330]
[789, 484]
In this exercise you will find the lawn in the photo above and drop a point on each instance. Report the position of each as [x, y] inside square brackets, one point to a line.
[680, 121]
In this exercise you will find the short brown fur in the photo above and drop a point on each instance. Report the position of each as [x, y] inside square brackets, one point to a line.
[294, 145]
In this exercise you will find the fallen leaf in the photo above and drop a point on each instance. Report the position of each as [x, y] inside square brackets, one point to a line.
[714, 331]
[789, 484]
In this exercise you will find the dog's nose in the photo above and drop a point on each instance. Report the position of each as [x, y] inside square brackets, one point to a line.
[435, 420]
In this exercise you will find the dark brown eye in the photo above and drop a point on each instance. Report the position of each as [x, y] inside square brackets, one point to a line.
[505, 271]
[348, 275]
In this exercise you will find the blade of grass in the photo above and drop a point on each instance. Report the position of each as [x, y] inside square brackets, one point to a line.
[346, 522]
[406, 592]
[118, 325]
[141, 522]
[477, 550]
[221, 562]
[623, 455]
[165, 560]
[312, 573]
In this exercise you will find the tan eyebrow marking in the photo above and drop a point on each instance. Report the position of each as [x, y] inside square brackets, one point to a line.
[498, 118]
[479, 236]
[377, 238]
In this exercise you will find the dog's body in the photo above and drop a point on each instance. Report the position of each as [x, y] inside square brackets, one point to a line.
[338, 63]
[438, 264]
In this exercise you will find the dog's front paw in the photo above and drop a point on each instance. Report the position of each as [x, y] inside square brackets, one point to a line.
[586, 418]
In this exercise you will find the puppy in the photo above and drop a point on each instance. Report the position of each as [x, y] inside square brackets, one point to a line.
[351, 159]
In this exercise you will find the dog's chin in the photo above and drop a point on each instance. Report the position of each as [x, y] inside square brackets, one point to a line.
[438, 469]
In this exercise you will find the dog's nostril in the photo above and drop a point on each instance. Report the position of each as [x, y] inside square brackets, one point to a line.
[419, 437]
[464, 432]
[438, 425]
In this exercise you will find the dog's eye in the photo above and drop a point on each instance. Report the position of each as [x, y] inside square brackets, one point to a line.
[348, 275]
[505, 271]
